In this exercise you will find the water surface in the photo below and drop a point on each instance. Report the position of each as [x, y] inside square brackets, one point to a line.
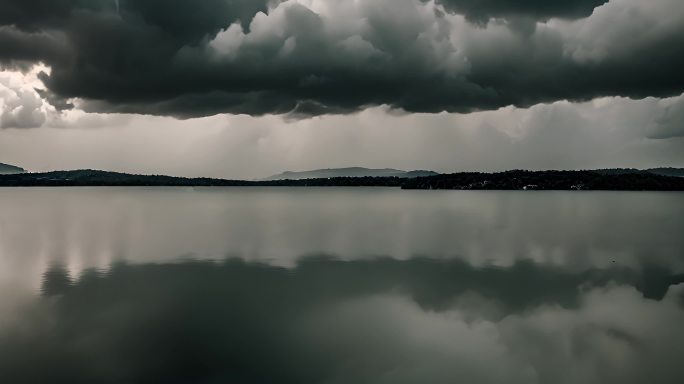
[339, 285]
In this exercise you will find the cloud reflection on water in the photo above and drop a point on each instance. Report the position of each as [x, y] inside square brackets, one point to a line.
[335, 321]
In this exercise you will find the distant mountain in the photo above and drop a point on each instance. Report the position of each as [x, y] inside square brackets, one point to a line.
[348, 172]
[676, 172]
[6, 169]
[419, 173]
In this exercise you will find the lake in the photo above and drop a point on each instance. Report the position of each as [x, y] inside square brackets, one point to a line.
[340, 285]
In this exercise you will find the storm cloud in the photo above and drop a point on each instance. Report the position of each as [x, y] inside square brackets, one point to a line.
[310, 57]
[537, 9]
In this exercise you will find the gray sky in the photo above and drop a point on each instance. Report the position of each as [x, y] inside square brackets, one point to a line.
[245, 89]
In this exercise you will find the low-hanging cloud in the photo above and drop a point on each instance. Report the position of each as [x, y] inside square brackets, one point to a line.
[312, 57]
[670, 121]
[534, 9]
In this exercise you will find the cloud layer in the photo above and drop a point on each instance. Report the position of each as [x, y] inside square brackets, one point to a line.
[534, 9]
[310, 57]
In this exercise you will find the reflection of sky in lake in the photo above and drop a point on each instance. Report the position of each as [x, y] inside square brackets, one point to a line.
[93, 227]
[421, 286]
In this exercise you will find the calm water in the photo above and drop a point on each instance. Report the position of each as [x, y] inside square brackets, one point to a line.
[286, 285]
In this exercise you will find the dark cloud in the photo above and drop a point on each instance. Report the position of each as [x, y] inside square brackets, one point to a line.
[189, 18]
[328, 321]
[196, 58]
[481, 10]
[18, 46]
[59, 103]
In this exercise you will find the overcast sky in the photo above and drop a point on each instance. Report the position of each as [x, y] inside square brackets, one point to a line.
[248, 88]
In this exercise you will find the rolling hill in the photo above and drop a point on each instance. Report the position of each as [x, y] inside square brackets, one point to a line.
[348, 172]
[6, 169]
